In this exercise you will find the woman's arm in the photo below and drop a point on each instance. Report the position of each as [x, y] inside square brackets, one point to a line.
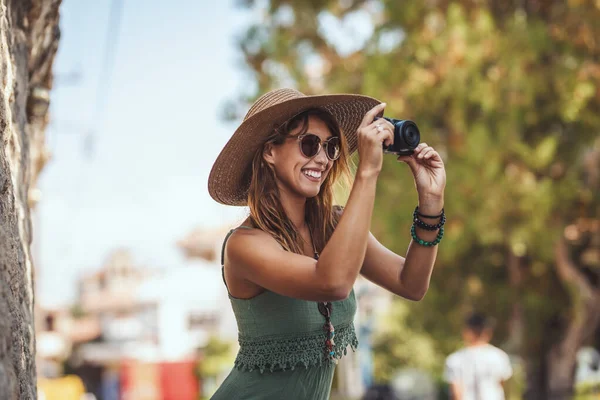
[254, 256]
[409, 277]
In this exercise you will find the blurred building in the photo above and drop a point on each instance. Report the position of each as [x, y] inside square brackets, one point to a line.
[204, 244]
[135, 331]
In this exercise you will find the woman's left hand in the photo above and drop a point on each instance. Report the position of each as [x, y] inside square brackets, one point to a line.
[428, 169]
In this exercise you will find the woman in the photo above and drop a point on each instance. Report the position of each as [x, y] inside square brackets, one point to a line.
[290, 267]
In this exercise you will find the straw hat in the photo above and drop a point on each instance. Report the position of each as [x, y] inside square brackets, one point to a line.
[229, 178]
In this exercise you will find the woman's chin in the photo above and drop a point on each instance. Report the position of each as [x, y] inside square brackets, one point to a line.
[310, 192]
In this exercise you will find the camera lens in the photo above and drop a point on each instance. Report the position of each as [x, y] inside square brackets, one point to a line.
[406, 137]
[410, 134]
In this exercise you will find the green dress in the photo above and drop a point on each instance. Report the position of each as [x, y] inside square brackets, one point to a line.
[282, 351]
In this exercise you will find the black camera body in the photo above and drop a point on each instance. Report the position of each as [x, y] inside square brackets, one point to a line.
[406, 137]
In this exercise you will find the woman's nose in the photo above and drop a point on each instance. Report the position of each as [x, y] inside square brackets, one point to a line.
[321, 157]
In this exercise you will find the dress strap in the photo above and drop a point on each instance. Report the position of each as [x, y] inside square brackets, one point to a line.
[223, 251]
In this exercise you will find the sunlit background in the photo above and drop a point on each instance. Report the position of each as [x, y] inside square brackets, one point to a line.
[130, 301]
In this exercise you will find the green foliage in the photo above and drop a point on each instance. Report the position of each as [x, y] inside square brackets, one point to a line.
[587, 391]
[216, 356]
[77, 311]
[508, 92]
[397, 345]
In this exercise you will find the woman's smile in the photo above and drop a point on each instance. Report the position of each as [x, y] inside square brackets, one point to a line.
[313, 175]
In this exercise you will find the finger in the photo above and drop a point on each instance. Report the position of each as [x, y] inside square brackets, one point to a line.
[434, 156]
[387, 136]
[372, 113]
[420, 148]
[376, 132]
[411, 161]
[375, 124]
[373, 129]
[425, 152]
[382, 128]
[382, 132]
[390, 125]
[378, 127]
[387, 126]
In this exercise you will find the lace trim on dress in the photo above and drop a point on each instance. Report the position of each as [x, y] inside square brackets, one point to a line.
[277, 353]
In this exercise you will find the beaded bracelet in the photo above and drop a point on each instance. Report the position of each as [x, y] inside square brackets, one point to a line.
[425, 243]
[428, 216]
[428, 227]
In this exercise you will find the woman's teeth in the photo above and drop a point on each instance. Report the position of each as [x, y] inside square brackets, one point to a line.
[313, 174]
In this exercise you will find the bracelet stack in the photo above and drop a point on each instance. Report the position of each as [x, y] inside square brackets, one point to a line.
[428, 227]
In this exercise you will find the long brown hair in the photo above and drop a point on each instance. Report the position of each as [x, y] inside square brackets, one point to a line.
[266, 211]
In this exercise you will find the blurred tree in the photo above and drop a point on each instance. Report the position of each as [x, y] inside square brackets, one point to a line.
[77, 311]
[509, 93]
[29, 36]
[215, 357]
[415, 349]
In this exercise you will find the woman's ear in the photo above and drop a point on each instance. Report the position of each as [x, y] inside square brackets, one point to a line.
[269, 153]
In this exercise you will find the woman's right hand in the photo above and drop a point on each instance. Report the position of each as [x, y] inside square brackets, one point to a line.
[372, 135]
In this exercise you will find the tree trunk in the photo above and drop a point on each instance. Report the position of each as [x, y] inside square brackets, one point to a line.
[583, 323]
[28, 42]
[585, 297]
[514, 343]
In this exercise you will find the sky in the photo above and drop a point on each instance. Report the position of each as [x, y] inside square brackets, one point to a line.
[155, 133]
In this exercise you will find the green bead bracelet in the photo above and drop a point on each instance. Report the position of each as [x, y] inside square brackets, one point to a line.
[425, 243]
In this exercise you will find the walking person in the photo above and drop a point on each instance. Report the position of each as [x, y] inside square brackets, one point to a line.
[479, 370]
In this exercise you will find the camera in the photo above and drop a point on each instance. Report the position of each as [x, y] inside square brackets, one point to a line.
[406, 137]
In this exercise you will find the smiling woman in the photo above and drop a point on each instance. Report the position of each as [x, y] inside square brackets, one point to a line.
[290, 267]
[292, 161]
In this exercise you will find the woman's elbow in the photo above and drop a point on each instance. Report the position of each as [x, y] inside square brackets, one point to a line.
[413, 294]
[337, 292]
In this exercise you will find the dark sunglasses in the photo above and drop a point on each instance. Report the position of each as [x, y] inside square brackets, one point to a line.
[310, 146]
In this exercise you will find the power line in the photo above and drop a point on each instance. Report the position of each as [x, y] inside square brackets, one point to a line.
[104, 80]
[102, 94]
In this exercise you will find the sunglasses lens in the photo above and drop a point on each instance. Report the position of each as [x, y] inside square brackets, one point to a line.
[310, 145]
[333, 148]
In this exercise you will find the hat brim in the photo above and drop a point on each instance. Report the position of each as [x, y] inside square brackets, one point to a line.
[229, 177]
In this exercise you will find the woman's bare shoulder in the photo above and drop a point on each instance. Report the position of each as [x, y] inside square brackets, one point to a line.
[247, 239]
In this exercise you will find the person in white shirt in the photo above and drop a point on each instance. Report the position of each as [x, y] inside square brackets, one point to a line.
[479, 370]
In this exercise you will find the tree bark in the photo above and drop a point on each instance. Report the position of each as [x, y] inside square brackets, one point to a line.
[583, 323]
[514, 343]
[29, 38]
